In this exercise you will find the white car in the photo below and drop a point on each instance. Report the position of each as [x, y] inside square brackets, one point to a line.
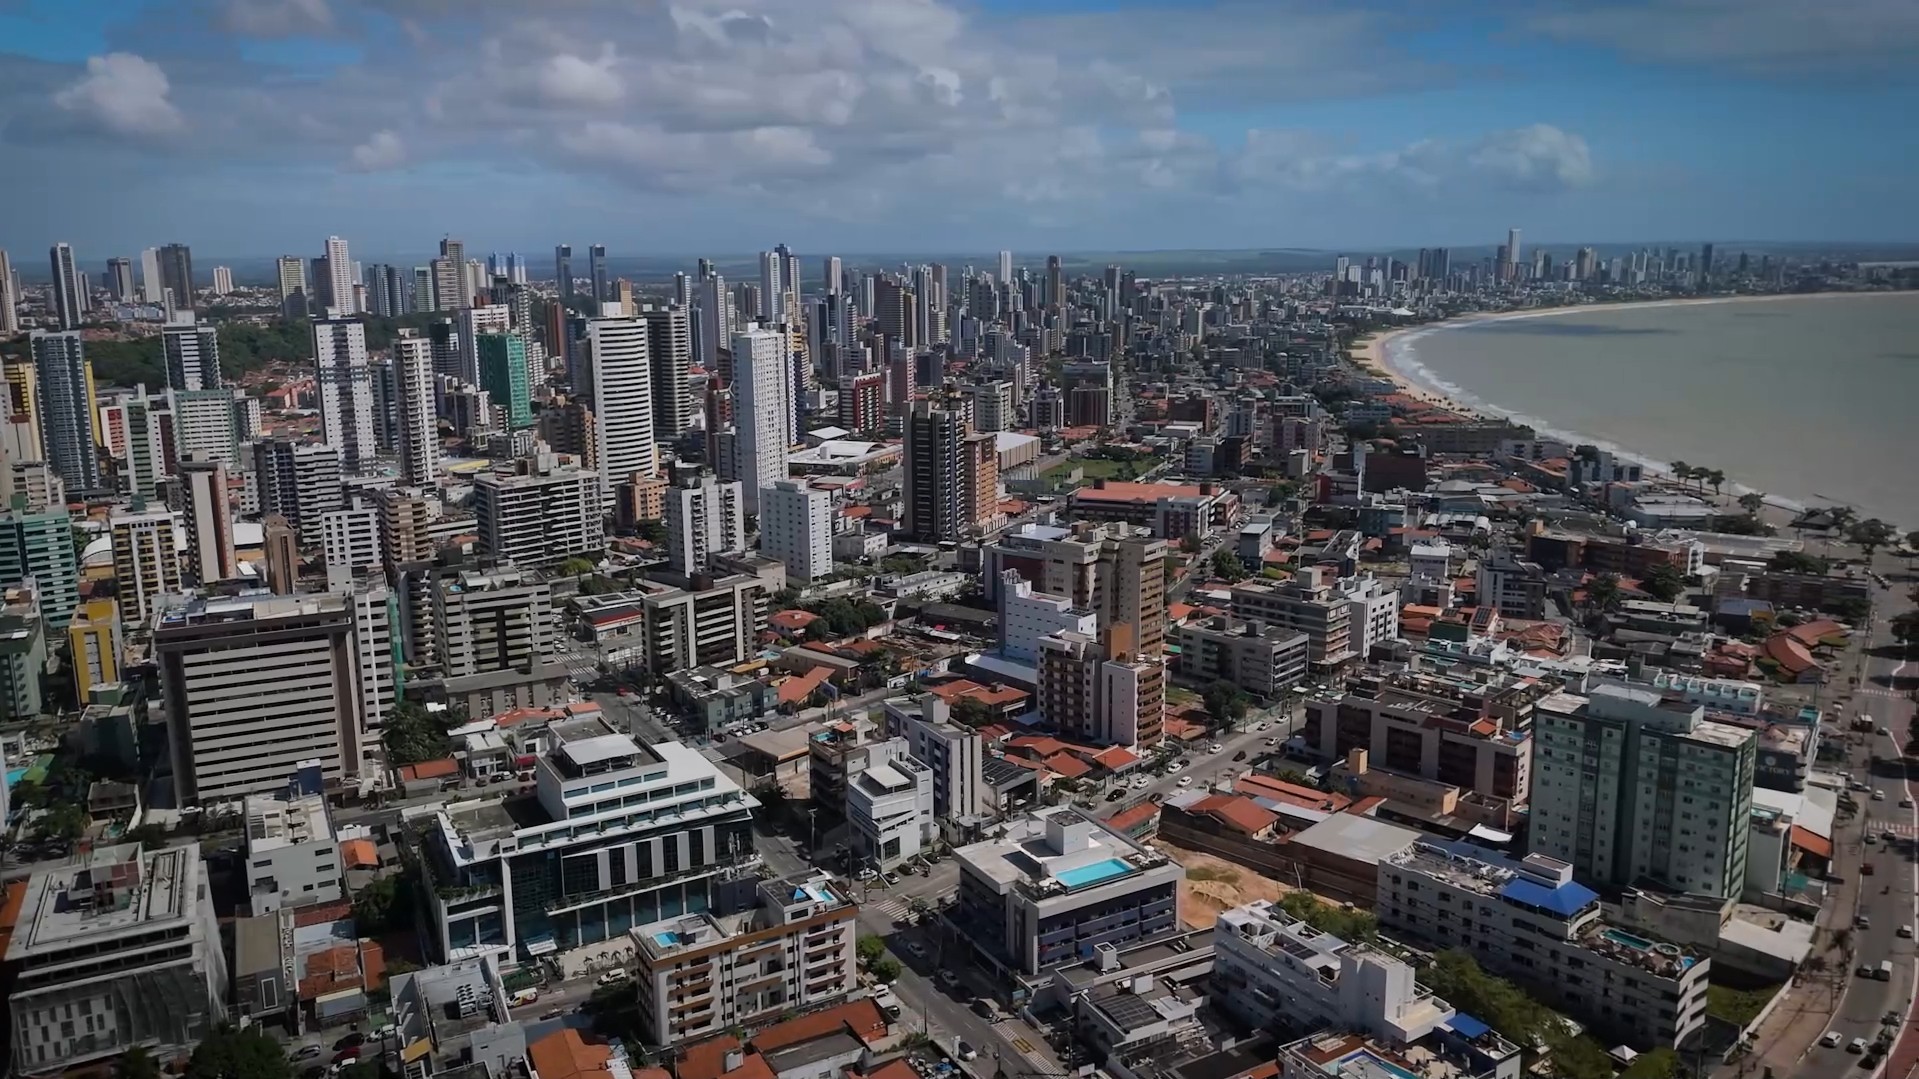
[1142, 783]
[1878, 796]
[1185, 781]
[1214, 748]
[1858, 1046]
[1905, 931]
[1831, 1039]
[612, 977]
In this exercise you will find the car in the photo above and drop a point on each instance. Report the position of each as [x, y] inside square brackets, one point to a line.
[554, 1013]
[890, 878]
[1865, 970]
[1861, 921]
[966, 1052]
[1240, 756]
[308, 1052]
[1272, 741]
[350, 1041]
[1214, 748]
[1871, 839]
[984, 1008]
[950, 978]
[613, 977]
[1905, 931]
[1889, 836]
[915, 949]
[317, 1071]
[351, 1052]
[1905, 803]
[1857, 1045]
[1831, 1039]
[1142, 783]
[1185, 781]
[1116, 794]
[1174, 767]
[1878, 796]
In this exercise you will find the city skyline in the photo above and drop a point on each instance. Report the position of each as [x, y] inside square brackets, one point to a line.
[922, 124]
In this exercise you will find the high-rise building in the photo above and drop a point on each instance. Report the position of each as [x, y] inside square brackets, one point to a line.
[350, 545]
[796, 529]
[1629, 786]
[68, 420]
[452, 287]
[222, 280]
[38, 545]
[596, 273]
[772, 296]
[340, 277]
[9, 297]
[202, 422]
[474, 321]
[1103, 689]
[299, 481]
[1510, 271]
[502, 362]
[69, 287]
[1112, 569]
[192, 351]
[292, 275]
[417, 433]
[563, 270]
[540, 515]
[151, 289]
[146, 561]
[715, 326]
[952, 474]
[346, 391]
[669, 347]
[762, 410]
[254, 688]
[281, 546]
[704, 516]
[862, 402]
[622, 400]
[897, 313]
[1005, 266]
[495, 620]
[209, 522]
[176, 273]
[1055, 283]
[120, 280]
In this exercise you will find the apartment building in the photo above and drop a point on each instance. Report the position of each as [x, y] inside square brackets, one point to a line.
[1058, 884]
[1026, 616]
[953, 753]
[1171, 510]
[711, 622]
[616, 834]
[704, 516]
[1630, 784]
[1373, 612]
[539, 514]
[146, 559]
[293, 859]
[1466, 734]
[1309, 604]
[1510, 585]
[117, 948]
[1528, 920]
[1265, 661]
[701, 973]
[890, 809]
[838, 754]
[495, 619]
[1113, 570]
[1100, 689]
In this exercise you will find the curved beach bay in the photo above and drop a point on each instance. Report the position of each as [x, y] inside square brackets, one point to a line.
[1812, 399]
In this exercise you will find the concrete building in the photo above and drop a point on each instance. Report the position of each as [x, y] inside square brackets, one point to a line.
[299, 481]
[1468, 734]
[23, 656]
[1272, 971]
[1373, 612]
[1528, 920]
[345, 380]
[293, 859]
[952, 473]
[1265, 661]
[1631, 786]
[39, 546]
[791, 949]
[540, 514]
[712, 621]
[616, 835]
[669, 347]
[1101, 689]
[146, 560]
[1514, 587]
[622, 400]
[208, 516]
[762, 411]
[1026, 616]
[889, 808]
[503, 375]
[704, 516]
[1308, 604]
[796, 529]
[69, 423]
[191, 351]
[93, 646]
[493, 620]
[1112, 570]
[350, 544]
[1057, 885]
[116, 948]
[417, 434]
[953, 754]
[252, 689]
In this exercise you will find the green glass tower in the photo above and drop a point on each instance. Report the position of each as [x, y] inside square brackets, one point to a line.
[503, 375]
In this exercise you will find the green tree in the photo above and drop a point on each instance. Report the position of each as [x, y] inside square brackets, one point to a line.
[1602, 593]
[972, 712]
[413, 734]
[652, 531]
[1226, 703]
[137, 1063]
[1226, 564]
[1682, 471]
[1752, 502]
[1716, 478]
[1797, 562]
[886, 970]
[1663, 582]
[238, 1054]
[63, 820]
[1871, 534]
[1660, 1063]
[869, 949]
[384, 906]
[1191, 543]
[1578, 1057]
[576, 567]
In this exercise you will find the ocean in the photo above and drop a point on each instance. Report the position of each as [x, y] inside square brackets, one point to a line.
[1813, 399]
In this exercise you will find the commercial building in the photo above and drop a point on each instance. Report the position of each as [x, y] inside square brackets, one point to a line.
[346, 391]
[615, 835]
[1473, 735]
[1101, 689]
[1027, 616]
[1170, 510]
[116, 948]
[889, 808]
[702, 973]
[796, 529]
[1057, 885]
[1629, 785]
[1112, 570]
[503, 375]
[1309, 604]
[1373, 610]
[292, 857]
[69, 288]
[704, 516]
[93, 646]
[350, 544]
[1265, 661]
[541, 513]
[252, 689]
[953, 753]
[1272, 971]
[146, 560]
[1528, 920]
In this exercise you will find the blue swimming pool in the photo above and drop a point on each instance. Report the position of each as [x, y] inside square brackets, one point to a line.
[13, 777]
[1081, 876]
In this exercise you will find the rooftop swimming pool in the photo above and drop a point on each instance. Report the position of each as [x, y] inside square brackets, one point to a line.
[1080, 876]
[1625, 939]
[1372, 1065]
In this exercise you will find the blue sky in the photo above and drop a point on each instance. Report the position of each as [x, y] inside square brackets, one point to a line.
[257, 127]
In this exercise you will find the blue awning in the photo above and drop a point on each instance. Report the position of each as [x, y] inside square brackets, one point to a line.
[1566, 900]
[1467, 1026]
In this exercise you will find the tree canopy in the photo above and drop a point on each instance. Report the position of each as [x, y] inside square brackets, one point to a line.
[239, 1054]
[1347, 923]
[1663, 582]
[1226, 703]
[414, 734]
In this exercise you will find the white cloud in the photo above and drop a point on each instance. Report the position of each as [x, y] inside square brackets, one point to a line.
[381, 151]
[567, 79]
[124, 93]
[1537, 158]
[277, 18]
[1768, 36]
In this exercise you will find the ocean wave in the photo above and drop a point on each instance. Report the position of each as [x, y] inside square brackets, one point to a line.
[1400, 354]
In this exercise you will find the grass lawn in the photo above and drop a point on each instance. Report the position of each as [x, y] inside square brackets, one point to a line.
[1098, 468]
[1180, 696]
[1738, 1006]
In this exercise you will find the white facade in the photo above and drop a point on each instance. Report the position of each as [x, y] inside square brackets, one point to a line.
[796, 528]
[340, 277]
[375, 665]
[993, 407]
[952, 752]
[622, 401]
[495, 621]
[762, 410]
[1027, 616]
[350, 539]
[192, 352]
[890, 809]
[293, 859]
[540, 517]
[474, 321]
[417, 424]
[203, 424]
[703, 517]
[346, 391]
[1375, 611]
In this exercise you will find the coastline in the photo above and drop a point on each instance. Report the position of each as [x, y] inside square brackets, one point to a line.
[1386, 355]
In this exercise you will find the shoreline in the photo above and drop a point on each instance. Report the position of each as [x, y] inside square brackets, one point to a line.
[1376, 354]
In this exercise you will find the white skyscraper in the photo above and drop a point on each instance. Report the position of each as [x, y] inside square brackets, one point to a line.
[340, 276]
[772, 296]
[69, 287]
[192, 352]
[222, 280]
[622, 400]
[833, 274]
[1005, 266]
[417, 422]
[9, 303]
[474, 321]
[796, 528]
[346, 391]
[670, 348]
[762, 410]
[704, 516]
[152, 289]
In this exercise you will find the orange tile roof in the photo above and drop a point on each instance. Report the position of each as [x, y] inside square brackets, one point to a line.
[1240, 814]
[793, 619]
[707, 1060]
[1290, 793]
[1789, 654]
[861, 1018]
[1811, 633]
[799, 687]
[1044, 745]
[1133, 815]
[1178, 611]
[359, 854]
[1811, 842]
[444, 768]
[563, 1054]
[1118, 491]
[1067, 765]
[373, 963]
[1114, 758]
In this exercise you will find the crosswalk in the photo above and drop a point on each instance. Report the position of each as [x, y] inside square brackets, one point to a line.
[1903, 828]
[896, 907]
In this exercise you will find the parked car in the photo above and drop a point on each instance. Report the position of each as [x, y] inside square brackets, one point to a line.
[1185, 781]
[308, 1052]
[950, 978]
[967, 1052]
[1116, 794]
[612, 977]
[1858, 1046]
[1240, 756]
[350, 1040]
[1831, 1039]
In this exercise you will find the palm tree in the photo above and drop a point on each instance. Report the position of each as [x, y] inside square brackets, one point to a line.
[1716, 478]
[1602, 593]
[1682, 471]
[1752, 502]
